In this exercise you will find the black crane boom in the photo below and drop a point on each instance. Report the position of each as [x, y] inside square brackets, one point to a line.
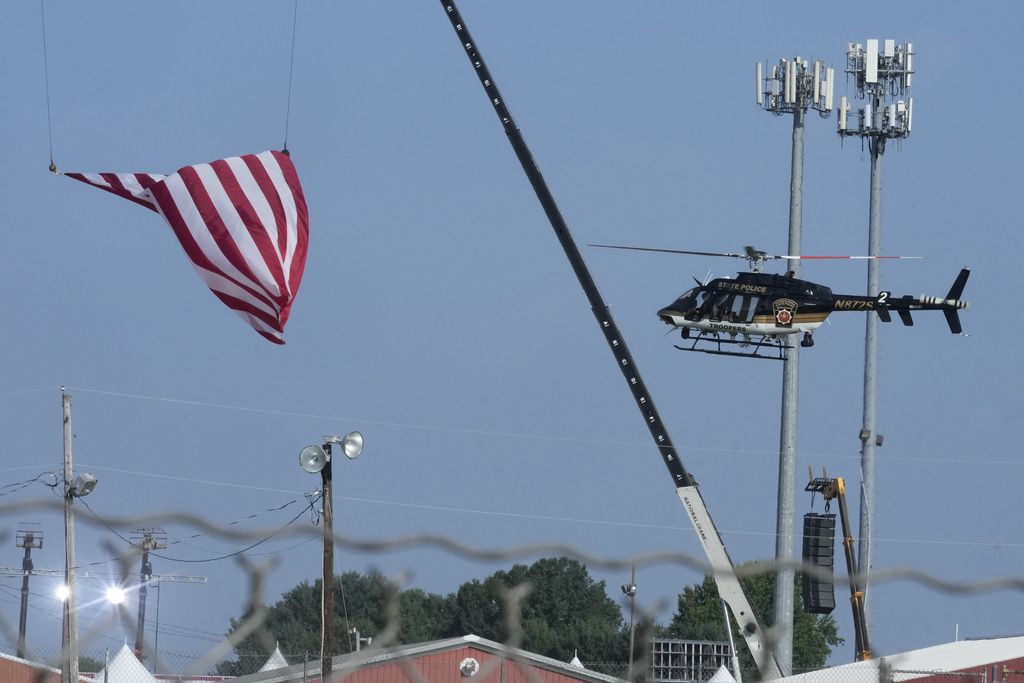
[686, 486]
[600, 309]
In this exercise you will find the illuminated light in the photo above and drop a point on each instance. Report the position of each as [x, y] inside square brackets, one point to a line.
[63, 592]
[115, 595]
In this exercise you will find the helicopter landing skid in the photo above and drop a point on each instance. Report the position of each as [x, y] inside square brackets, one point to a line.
[775, 348]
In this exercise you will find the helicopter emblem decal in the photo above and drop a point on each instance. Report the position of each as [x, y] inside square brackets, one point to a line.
[785, 310]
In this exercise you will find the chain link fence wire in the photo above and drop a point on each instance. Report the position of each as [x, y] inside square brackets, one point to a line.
[507, 664]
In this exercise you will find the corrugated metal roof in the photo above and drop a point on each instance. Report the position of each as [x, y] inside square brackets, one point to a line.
[372, 657]
[958, 656]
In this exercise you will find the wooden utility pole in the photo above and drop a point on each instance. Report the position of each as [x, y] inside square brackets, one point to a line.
[69, 633]
[327, 646]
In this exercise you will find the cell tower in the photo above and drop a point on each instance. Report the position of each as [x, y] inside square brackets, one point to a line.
[877, 75]
[791, 87]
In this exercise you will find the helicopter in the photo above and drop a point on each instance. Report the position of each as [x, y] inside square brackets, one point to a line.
[759, 313]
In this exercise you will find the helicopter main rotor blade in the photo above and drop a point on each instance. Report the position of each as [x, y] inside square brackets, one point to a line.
[848, 257]
[750, 255]
[669, 251]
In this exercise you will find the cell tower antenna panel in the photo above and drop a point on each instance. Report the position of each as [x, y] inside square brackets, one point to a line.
[871, 61]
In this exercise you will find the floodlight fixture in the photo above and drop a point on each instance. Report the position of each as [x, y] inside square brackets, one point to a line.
[115, 595]
[63, 591]
[313, 459]
[82, 486]
[352, 444]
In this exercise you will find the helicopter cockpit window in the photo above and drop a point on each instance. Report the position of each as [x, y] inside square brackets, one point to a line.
[743, 308]
[719, 307]
[692, 302]
[689, 298]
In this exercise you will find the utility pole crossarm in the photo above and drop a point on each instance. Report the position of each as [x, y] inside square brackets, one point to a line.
[86, 574]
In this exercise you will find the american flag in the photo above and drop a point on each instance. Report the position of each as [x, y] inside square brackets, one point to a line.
[243, 223]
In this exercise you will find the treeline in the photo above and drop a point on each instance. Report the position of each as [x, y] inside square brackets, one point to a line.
[552, 607]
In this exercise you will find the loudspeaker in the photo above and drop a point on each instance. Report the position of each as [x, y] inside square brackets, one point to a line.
[312, 459]
[819, 553]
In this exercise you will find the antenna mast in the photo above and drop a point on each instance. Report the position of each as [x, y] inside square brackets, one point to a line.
[791, 87]
[878, 72]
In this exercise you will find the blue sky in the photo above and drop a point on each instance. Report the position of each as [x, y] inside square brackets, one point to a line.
[438, 314]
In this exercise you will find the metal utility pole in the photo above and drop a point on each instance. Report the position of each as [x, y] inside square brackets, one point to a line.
[791, 87]
[630, 590]
[29, 536]
[877, 74]
[145, 539]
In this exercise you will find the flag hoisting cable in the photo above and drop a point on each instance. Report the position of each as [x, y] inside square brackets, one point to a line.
[242, 222]
[46, 79]
[291, 73]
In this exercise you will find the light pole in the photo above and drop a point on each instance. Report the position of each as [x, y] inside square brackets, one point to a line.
[82, 486]
[315, 459]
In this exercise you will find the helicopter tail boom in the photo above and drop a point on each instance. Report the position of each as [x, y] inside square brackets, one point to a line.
[883, 303]
[949, 306]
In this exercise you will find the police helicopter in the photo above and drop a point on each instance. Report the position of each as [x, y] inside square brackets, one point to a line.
[758, 313]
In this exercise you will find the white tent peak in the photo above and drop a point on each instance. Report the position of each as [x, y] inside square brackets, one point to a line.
[125, 667]
[276, 661]
[722, 676]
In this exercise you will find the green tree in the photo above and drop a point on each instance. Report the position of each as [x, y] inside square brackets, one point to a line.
[699, 616]
[425, 616]
[87, 664]
[566, 612]
[360, 601]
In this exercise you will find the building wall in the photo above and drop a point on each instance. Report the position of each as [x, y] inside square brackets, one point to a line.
[444, 667]
[19, 671]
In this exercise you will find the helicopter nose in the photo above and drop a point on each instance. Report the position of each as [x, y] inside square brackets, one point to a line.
[670, 315]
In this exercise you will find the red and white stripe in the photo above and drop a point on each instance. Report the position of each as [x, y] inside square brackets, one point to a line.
[243, 223]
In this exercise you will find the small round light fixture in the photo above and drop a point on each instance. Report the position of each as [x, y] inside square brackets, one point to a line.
[469, 667]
